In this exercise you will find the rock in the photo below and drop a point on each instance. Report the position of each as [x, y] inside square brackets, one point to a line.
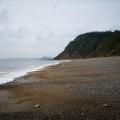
[105, 105]
[37, 106]
[82, 114]
[83, 109]
[18, 102]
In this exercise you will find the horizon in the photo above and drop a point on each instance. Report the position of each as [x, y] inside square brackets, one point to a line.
[37, 28]
[52, 57]
[41, 58]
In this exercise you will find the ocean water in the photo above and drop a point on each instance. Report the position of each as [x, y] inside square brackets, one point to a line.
[13, 68]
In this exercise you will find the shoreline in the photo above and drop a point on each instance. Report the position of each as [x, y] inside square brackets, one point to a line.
[79, 89]
[21, 73]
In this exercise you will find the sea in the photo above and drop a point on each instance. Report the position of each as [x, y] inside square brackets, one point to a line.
[13, 68]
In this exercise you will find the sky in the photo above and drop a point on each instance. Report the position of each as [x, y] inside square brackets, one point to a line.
[36, 28]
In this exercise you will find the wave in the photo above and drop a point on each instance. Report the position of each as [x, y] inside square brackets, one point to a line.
[5, 78]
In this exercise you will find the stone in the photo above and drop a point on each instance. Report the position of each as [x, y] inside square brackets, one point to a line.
[83, 109]
[105, 105]
[82, 114]
[37, 106]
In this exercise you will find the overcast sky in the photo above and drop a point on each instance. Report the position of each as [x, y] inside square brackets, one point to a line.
[35, 28]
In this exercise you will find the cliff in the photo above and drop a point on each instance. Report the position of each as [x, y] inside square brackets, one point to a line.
[93, 44]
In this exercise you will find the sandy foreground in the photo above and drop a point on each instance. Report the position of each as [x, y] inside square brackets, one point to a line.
[84, 89]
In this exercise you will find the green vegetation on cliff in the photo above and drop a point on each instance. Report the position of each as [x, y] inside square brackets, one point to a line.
[93, 44]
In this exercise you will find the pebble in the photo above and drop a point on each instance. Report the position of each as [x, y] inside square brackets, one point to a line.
[105, 105]
[37, 106]
[82, 114]
[83, 109]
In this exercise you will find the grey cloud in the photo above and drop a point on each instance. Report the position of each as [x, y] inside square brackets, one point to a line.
[35, 28]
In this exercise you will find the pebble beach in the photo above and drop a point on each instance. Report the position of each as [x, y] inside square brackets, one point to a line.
[81, 89]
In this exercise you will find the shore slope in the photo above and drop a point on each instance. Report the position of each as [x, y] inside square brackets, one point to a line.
[83, 89]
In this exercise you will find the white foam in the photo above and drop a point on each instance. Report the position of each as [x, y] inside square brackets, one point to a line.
[11, 76]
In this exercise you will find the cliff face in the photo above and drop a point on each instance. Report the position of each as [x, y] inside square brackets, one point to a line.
[94, 44]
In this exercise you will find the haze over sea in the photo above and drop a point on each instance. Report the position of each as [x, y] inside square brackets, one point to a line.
[13, 68]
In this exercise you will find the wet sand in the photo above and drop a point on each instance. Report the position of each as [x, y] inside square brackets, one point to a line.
[84, 89]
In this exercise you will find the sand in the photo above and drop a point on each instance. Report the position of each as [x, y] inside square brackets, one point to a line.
[84, 89]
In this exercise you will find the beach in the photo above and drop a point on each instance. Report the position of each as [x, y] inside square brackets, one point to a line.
[81, 89]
